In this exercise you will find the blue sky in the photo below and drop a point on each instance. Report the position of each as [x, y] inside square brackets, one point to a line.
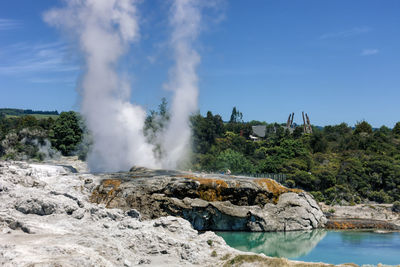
[336, 60]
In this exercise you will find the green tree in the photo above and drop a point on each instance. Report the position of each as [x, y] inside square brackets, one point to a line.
[66, 132]
[318, 142]
[363, 127]
[205, 131]
[236, 116]
[396, 129]
[235, 161]
[154, 125]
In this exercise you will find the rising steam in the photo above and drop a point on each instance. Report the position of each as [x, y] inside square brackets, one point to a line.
[104, 29]
[185, 20]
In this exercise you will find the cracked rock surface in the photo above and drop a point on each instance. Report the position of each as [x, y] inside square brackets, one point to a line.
[211, 202]
[47, 219]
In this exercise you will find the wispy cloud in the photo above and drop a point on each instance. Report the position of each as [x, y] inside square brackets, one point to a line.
[369, 52]
[345, 34]
[67, 80]
[9, 24]
[28, 59]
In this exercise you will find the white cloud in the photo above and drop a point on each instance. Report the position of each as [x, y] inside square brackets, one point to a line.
[26, 58]
[369, 52]
[347, 33]
[9, 24]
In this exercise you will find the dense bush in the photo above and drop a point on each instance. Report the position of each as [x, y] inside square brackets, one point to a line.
[24, 137]
[28, 137]
[396, 206]
[66, 132]
[337, 164]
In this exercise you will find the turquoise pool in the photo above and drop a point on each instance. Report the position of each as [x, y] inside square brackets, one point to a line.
[334, 247]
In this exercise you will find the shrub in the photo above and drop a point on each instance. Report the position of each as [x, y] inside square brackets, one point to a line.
[290, 183]
[396, 206]
[363, 127]
[396, 129]
[234, 161]
[66, 132]
[318, 196]
[380, 197]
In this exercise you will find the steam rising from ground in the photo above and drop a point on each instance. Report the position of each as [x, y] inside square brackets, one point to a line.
[104, 29]
[185, 19]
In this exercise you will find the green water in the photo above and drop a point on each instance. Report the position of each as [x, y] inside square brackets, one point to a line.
[321, 245]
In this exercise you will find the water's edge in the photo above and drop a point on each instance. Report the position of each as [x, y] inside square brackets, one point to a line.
[321, 245]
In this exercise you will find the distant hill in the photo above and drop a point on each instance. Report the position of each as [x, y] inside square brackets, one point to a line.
[21, 112]
[13, 112]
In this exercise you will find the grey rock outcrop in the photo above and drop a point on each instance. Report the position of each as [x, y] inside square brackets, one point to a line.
[362, 216]
[211, 202]
[36, 206]
[46, 219]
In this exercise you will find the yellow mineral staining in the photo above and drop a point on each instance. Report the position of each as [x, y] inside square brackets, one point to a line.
[346, 225]
[101, 198]
[114, 183]
[274, 187]
[187, 176]
[342, 225]
[210, 189]
[209, 195]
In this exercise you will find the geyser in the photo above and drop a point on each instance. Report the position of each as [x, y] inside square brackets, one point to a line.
[103, 30]
[185, 20]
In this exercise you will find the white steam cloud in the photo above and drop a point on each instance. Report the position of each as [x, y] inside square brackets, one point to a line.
[185, 20]
[104, 29]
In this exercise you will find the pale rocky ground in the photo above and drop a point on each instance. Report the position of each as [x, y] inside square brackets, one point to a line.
[46, 219]
[365, 211]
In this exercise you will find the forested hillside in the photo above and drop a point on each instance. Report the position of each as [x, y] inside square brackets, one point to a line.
[337, 164]
[21, 112]
[28, 137]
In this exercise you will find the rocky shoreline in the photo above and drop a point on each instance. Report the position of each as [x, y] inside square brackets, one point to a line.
[48, 218]
[362, 217]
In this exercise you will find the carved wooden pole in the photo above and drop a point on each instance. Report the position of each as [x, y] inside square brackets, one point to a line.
[308, 124]
[288, 122]
[291, 122]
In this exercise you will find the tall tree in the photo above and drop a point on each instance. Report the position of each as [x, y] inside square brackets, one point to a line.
[363, 127]
[396, 129]
[236, 116]
[66, 132]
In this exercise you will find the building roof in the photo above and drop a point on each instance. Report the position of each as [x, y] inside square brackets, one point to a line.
[259, 130]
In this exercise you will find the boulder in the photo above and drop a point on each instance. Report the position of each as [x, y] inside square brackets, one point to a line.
[36, 206]
[211, 202]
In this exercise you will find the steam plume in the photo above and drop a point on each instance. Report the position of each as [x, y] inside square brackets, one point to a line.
[185, 20]
[104, 29]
